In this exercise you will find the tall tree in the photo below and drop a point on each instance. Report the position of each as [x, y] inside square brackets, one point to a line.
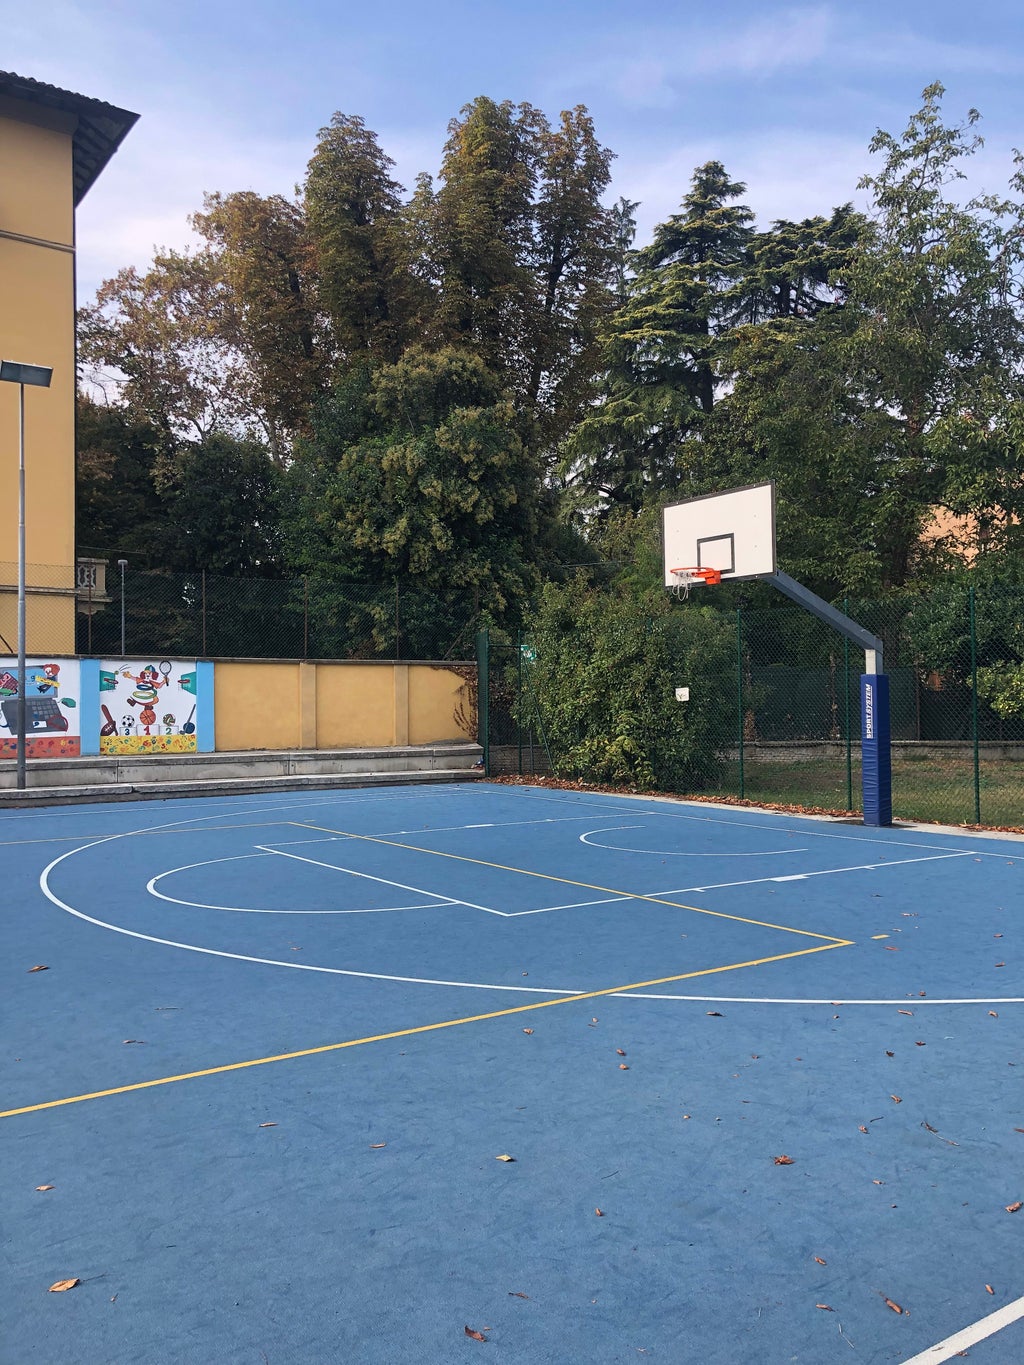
[269, 317]
[361, 245]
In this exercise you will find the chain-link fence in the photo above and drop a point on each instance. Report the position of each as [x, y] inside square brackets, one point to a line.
[955, 660]
[210, 615]
[50, 598]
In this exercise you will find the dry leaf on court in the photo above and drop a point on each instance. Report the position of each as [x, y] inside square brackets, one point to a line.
[504, 1157]
[889, 1054]
[890, 948]
[477, 1336]
[376, 1146]
[910, 1012]
[1014, 1208]
[918, 1043]
[515, 1294]
[44, 1187]
[40, 968]
[783, 1160]
[268, 1125]
[599, 1212]
[714, 1014]
[623, 1066]
[878, 1182]
[861, 1128]
[820, 1261]
[527, 1030]
[827, 1307]
[989, 1289]
[134, 1040]
[926, 1124]
[60, 1286]
[1019, 1130]
[894, 1306]
[620, 1052]
[992, 1014]
[896, 1099]
[1000, 964]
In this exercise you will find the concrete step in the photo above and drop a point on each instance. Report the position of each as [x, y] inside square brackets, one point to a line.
[162, 776]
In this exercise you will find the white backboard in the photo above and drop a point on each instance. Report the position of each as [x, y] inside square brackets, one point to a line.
[733, 532]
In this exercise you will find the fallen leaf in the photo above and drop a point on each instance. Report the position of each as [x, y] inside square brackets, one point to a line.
[599, 1212]
[890, 949]
[594, 1021]
[477, 1336]
[59, 1286]
[989, 1289]
[878, 1182]
[861, 1128]
[268, 1125]
[623, 1066]
[1000, 964]
[40, 968]
[376, 1146]
[134, 1040]
[894, 1306]
[997, 935]
[620, 1052]
[515, 1294]
[820, 1261]
[113, 1298]
[754, 1056]
[926, 1124]
[992, 1014]
[918, 1043]
[44, 1187]
[889, 1054]
[527, 1030]
[896, 1099]
[1019, 1130]
[504, 1157]
[910, 1012]
[827, 1308]
[714, 1014]
[1014, 1208]
[783, 1160]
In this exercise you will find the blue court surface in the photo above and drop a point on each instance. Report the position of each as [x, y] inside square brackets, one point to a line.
[283, 1042]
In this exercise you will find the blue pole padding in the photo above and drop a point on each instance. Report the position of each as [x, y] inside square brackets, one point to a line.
[89, 705]
[876, 749]
[206, 740]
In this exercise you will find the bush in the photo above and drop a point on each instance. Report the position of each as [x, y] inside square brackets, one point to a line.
[607, 666]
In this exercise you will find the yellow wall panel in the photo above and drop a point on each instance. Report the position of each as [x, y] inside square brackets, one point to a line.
[355, 705]
[257, 706]
[438, 705]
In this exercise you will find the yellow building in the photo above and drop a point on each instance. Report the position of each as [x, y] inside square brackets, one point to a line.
[53, 146]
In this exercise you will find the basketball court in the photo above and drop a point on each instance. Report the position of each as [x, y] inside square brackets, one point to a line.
[259, 1102]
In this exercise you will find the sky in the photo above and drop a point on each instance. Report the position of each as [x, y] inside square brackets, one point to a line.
[231, 95]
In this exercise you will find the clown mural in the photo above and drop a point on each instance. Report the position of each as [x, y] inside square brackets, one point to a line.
[148, 708]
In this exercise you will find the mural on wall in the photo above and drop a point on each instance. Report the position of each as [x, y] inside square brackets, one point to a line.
[147, 708]
[52, 727]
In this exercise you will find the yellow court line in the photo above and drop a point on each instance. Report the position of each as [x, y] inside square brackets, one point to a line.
[568, 881]
[408, 1032]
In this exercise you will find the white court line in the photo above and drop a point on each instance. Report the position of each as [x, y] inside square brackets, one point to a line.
[806, 833]
[670, 853]
[970, 1336]
[250, 910]
[823, 872]
[402, 886]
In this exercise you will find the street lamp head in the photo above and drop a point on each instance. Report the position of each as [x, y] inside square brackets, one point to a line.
[122, 563]
[17, 373]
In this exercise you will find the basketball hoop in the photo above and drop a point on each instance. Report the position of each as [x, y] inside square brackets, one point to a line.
[685, 579]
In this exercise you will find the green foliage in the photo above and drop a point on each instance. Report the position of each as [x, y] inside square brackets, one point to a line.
[1003, 689]
[607, 666]
[418, 472]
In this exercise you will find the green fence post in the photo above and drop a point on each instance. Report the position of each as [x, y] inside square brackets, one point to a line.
[739, 695]
[846, 693]
[483, 695]
[974, 704]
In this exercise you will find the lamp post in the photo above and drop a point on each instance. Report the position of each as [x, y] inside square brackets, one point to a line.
[38, 376]
[122, 564]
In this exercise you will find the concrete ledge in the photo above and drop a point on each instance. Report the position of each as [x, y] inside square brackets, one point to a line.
[122, 778]
[238, 786]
